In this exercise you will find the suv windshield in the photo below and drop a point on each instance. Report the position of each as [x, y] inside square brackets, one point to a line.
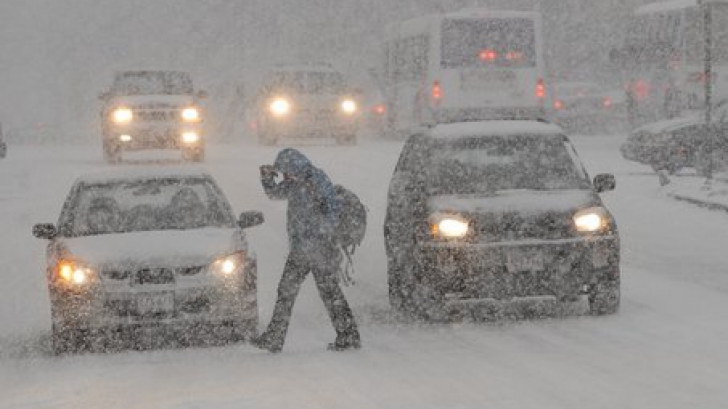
[152, 83]
[148, 205]
[308, 82]
[487, 165]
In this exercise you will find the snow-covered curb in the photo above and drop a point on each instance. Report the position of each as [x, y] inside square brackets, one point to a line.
[712, 195]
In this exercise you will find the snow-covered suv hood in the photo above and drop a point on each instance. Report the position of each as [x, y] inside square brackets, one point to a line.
[153, 101]
[172, 248]
[521, 201]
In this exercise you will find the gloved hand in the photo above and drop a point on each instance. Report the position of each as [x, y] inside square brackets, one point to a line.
[268, 172]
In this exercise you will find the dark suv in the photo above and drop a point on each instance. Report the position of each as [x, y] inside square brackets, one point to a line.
[487, 212]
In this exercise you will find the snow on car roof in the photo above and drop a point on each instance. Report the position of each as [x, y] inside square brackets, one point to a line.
[495, 128]
[668, 124]
[144, 173]
[671, 5]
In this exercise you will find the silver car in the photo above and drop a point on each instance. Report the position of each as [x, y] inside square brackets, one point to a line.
[148, 249]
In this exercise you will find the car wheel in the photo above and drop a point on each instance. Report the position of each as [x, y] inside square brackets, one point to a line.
[348, 140]
[604, 297]
[112, 152]
[68, 340]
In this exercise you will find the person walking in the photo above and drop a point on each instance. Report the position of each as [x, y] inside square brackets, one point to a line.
[311, 219]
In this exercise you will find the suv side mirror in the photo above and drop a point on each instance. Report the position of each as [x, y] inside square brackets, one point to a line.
[604, 182]
[201, 94]
[250, 219]
[45, 231]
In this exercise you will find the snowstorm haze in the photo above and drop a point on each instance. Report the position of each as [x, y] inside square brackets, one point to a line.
[58, 55]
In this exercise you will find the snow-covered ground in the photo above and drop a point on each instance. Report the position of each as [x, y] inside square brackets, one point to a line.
[666, 348]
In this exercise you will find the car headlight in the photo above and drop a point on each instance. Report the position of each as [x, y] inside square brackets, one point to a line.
[280, 107]
[591, 220]
[191, 114]
[229, 265]
[449, 226]
[190, 137]
[122, 115]
[348, 106]
[73, 273]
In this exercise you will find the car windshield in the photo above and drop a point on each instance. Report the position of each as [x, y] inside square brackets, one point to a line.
[147, 205]
[500, 42]
[152, 83]
[487, 165]
[308, 82]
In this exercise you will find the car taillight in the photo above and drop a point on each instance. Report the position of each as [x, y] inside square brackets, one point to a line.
[607, 102]
[436, 91]
[540, 89]
[640, 89]
[488, 55]
[380, 109]
[558, 105]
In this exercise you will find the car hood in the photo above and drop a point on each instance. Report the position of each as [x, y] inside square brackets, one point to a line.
[526, 202]
[159, 248]
[153, 101]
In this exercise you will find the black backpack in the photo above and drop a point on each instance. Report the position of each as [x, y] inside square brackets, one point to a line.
[351, 226]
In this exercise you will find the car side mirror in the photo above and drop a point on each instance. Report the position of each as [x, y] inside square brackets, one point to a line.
[250, 219]
[604, 182]
[104, 96]
[201, 94]
[45, 231]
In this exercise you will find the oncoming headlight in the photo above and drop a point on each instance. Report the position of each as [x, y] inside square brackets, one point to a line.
[229, 265]
[348, 106]
[191, 114]
[71, 272]
[280, 107]
[591, 220]
[449, 226]
[122, 115]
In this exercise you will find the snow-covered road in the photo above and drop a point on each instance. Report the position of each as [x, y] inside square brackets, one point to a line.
[666, 348]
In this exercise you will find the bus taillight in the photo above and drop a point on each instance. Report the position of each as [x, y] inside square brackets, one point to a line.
[436, 91]
[488, 55]
[540, 89]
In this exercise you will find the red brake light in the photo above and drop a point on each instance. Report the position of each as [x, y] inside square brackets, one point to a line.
[540, 89]
[558, 104]
[607, 103]
[640, 89]
[488, 55]
[436, 90]
[380, 109]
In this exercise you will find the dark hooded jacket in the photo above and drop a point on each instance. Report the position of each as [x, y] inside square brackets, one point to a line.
[312, 205]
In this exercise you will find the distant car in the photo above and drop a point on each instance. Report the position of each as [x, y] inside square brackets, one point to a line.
[580, 106]
[490, 212]
[148, 249]
[677, 143]
[306, 101]
[152, 110]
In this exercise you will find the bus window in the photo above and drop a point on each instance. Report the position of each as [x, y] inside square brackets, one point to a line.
[496, 42]
[411, 58]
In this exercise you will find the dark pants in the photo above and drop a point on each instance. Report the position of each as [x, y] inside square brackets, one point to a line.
[297, 268]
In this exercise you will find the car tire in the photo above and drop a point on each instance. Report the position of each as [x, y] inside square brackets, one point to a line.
[604, 297]
[68, 340]
[112, 152]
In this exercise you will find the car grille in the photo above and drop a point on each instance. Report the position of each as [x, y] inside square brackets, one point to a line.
[146, 276]
[514, 226]
[151, 116]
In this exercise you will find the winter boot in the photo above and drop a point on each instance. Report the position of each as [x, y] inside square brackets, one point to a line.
[345, 342]
[263, 342]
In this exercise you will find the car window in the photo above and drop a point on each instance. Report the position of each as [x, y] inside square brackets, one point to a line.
[135, 206]
[488, 165]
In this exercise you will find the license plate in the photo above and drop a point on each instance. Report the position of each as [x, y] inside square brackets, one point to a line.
[524, 261]
[155, 303]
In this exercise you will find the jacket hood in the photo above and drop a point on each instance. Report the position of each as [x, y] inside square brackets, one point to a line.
[292, 161]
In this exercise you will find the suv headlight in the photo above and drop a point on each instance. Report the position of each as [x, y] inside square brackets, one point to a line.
[73, 273]
[449, 226]
[591, 220]
[228, 265]
[280, 107]
[348, 106]
[122, 115]
[191, 114]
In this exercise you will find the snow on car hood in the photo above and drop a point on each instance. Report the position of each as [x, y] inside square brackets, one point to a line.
[171, 248]
[521, 201]
[154, 101]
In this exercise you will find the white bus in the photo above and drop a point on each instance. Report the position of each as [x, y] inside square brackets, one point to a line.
[468, 65]
[662, 58]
